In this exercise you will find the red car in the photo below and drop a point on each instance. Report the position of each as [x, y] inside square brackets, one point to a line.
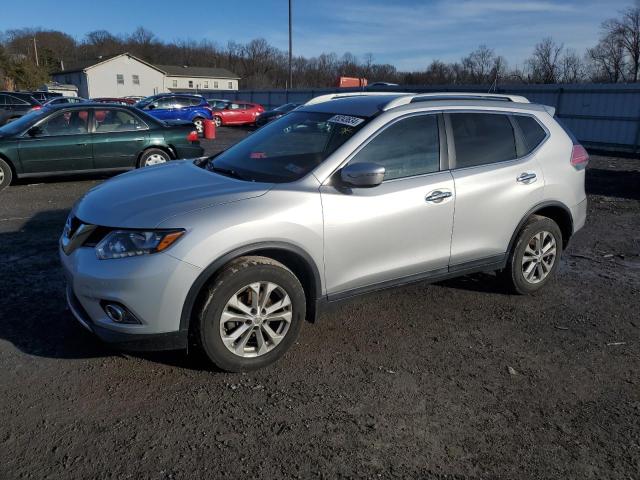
[236, 113]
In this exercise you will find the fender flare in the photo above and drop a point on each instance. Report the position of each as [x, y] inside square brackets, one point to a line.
[207, 273]
[531, 211]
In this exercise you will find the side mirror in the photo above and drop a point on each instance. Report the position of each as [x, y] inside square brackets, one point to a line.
[34, 131]
[363, 175]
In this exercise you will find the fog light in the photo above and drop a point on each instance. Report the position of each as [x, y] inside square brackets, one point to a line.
[118, 313]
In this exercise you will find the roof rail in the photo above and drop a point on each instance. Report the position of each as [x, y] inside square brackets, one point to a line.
[421, 97]
[332, 96]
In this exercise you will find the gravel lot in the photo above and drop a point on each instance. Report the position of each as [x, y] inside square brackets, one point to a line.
[452, 380]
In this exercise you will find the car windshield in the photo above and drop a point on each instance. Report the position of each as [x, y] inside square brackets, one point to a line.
[23, 122]
[287, 149]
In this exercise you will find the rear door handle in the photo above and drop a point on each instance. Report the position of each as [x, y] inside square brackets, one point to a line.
[526, 177]
[438, 196]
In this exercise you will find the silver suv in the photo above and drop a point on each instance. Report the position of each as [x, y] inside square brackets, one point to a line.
[347, 194]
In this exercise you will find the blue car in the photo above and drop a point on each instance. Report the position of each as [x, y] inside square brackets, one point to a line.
[169, 106]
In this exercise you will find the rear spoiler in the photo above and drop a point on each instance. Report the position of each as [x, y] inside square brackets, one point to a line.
[549, 109]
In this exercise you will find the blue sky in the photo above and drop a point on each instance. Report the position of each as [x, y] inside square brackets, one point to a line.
[407, 33]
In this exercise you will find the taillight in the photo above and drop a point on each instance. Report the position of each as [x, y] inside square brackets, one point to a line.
[192, 136]
[36, 107]
[579, 157]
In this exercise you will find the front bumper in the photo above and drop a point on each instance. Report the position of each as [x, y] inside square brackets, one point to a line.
[152, 287]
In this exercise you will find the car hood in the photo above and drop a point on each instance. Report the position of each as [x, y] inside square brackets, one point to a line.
[145, 198]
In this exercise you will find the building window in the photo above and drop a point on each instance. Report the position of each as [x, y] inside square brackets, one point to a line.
[175, 84]
[136, 79]
[230, 85]
[190, 83]
[120, 79]
[215, 84]
[206, 84]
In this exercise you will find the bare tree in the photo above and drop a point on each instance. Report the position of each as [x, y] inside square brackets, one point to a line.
[572, 67]
[544, 65]
[627, 31]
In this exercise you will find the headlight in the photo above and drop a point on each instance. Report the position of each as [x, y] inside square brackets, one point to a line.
[131, 243]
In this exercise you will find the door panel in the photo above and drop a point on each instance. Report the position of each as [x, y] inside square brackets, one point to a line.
[491, 199]
[118, 138]
[379, 234]
[63, 144]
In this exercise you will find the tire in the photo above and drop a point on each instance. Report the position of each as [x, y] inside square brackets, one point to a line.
[6, 174]
[198, 122]
[240, 350]
[528, 275]
[153, 156]
[217, 120]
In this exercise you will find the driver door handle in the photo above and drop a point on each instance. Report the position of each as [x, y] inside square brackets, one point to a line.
[438, 196]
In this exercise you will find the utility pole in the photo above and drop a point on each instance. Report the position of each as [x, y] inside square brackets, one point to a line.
[290, 50]
[35, 49]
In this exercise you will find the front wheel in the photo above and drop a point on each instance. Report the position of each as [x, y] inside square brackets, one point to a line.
[252, 314]
[153, 156]
[534, 257]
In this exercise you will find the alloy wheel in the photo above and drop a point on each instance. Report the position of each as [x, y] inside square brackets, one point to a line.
[199, 125]
[256, 319]
[217, 121]
[1, 175]
[539, 257]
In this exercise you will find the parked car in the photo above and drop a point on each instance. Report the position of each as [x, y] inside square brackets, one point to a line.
[118, 101]
[276, 113]
[43, 97]
[64, 101]
[192, 108]
[237, 113]
[343, 196]
[14, 105]
[90, 136]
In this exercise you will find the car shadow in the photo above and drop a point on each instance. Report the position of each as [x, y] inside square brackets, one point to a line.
[76, 177]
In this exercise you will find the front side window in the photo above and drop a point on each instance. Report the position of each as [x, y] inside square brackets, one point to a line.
[120, 79]
[135, 79]
[407, 148]
[116, 121]
[286, 149]
[65, 123]
[482, 138]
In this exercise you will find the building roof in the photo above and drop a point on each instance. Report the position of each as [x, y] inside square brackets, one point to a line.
[205, 72]
[86, 64]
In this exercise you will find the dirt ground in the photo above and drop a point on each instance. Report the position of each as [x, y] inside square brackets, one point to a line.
[453, 380]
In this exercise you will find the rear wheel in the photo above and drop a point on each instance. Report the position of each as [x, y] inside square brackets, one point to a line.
[534, 257]
[153, 156]
[198, 122]
[252, 314]
[6, 175]
[217, 120]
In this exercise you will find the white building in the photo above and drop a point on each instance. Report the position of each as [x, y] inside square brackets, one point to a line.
[125, 75]
[186, 78]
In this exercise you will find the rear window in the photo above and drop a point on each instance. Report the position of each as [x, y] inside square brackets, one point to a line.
[532, 132]
[482, 138]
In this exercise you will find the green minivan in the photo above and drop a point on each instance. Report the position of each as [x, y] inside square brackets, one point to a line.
[90, 137]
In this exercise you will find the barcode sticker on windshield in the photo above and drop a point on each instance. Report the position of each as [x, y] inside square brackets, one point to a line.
[346, 120]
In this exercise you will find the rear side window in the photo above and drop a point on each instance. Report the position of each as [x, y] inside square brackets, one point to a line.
[533, 134]
[407, 148]
[11, 100]
[482, 138]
